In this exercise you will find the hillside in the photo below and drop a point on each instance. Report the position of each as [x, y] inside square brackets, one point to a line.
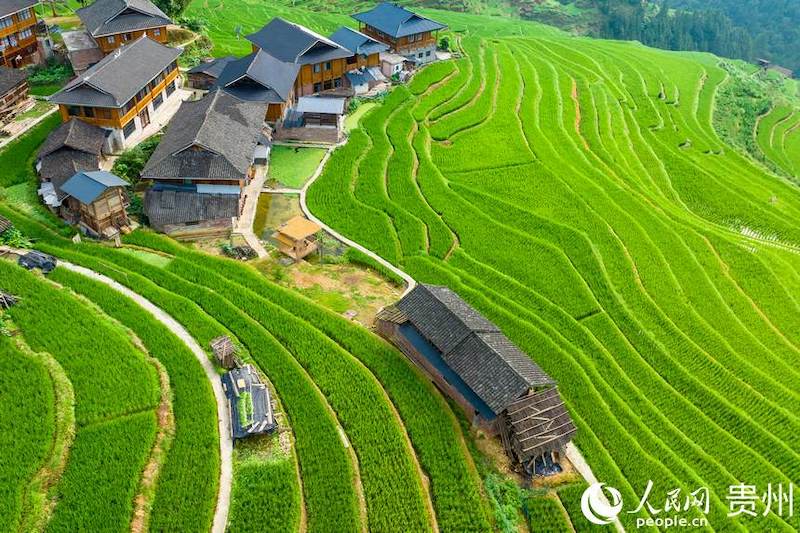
[575, 191]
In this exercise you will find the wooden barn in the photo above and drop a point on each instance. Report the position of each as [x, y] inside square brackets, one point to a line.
[499, 387]
[249, 403]
[225, 352]
[96, 201]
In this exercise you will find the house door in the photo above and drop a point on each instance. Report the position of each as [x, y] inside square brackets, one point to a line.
[144, 117]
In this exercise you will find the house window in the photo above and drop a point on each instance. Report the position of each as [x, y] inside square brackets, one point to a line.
[157, 32]
[420, 55]
[6, 22]
[74, 111]
[127, 36]
[110, 39]
[351, 60]
[88, 112]
[317, 87]
[428, 53]
[26, 34]
[129, 128]
[170, 89]
[328, 65]
[128, 106]
[318, 67]
[158, 100]
[25, 15]
[337, 82]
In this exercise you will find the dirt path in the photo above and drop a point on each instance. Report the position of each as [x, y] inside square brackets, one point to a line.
[225, 442]
[576, 458]
[410, 282]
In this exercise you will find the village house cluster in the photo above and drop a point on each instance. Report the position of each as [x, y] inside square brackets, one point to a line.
[220, 123]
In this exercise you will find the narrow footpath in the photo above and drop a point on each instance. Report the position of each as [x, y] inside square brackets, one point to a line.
[225, 442]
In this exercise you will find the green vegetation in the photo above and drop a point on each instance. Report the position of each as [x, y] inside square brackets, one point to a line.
[116, 391]
[28, 423]
[131, 162]
[575, 192]
[17, 158]
[545, 515]
[265, 497]
[245, 408]
[188, 480]
[52, 74]
[292, 167]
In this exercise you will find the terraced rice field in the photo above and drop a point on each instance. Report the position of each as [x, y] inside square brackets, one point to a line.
[778, 137]
[575, 192]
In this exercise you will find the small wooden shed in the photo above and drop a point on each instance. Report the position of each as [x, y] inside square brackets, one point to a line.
[297, 237]
[97, 200]
[225, 351]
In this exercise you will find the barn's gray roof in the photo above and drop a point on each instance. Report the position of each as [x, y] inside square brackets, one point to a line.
[259, 77]
[118, 76]
[488, 362]
[293, 43]
[9, 7]
[61, 165]
[74, 135]
[397, 21]
[86, 187]
[357, 42]
[106, 17]
[10, 78]
[166, 207]
[211, 138]
[212, 68]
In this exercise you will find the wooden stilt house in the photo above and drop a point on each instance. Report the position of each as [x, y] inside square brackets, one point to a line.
[499, 387]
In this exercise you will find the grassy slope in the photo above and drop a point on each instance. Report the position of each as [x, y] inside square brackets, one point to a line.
[599, 224]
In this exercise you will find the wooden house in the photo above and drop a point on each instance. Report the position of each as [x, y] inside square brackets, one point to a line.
[204, 76]
[115, 23]
[496, 384]
[13, 93]
[96, 201]
[73, 147]
[18, 41]
[406, 33]
[249, 403]
[297, 237]
[288, 61]
[203, 162]
[366, 58]
[124, 92]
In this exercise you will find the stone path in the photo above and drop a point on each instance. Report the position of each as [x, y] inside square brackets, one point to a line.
[225, 442]
[245, 225]
[579, 462]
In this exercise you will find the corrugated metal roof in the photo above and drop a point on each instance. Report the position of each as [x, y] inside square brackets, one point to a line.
[314, 104]
[397, 21]
[86, 187]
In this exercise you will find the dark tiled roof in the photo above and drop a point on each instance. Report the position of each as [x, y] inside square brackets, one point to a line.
[74, 135]
[166, 207]
[357, 42]
[488, 362]
[8, 7]
[106, 17]
[10, 78]
[62, 164]
[213, 68]
[118, 76]
[86, 187]
[259, 77]
[397, 21]
[292, 43]
[213, 137]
